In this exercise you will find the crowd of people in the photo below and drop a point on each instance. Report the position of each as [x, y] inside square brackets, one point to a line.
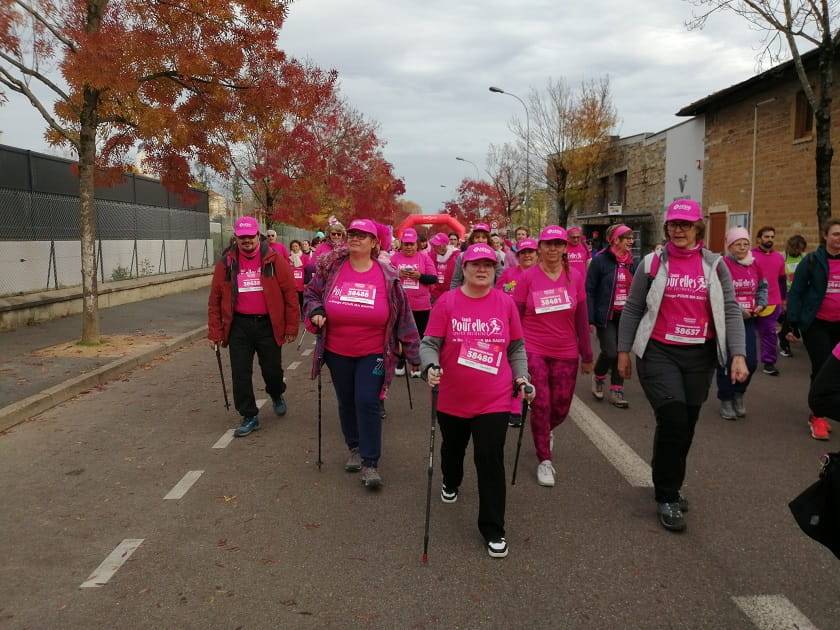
[511, 322]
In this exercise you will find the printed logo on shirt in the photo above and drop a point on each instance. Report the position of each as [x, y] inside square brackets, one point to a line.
[490, 330]
[686, 286]
[575, 256]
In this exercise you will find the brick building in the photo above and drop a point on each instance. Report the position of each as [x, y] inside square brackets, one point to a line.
[759, 164]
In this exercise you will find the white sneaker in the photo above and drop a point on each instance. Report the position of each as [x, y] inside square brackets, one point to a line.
[400, 371]
[497, 548]
[415, 373]
[545, 474]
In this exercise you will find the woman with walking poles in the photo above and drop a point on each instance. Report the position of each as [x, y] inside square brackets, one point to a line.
[360, 311]
[607, 286]
[680, 319]
[474, 335]
[551, 299]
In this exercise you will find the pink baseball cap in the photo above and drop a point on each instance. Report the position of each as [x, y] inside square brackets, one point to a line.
[246, 226]
[684, 210]
[526, 243]
[573, 230]
[552, 233]
[409, 235]
[736, 234]
[479, 251]
[439, 239]
[481, 227]
[364, 225]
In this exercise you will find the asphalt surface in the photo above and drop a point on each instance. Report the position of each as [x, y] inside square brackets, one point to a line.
[264, 539]
[23, 373]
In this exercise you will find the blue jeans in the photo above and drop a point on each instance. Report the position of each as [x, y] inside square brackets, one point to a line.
[357, 382]
[726, 390]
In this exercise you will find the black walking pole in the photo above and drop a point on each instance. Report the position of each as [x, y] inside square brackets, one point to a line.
[222, 376]
[525, 406]
[319, 419]
[408, 383]
[425, 557]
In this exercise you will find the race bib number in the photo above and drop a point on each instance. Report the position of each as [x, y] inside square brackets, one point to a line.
[481, 356]
[411, 283]
[441, 272]
[746, 305]
[298, 273]
[249, 281]
[686, 330]
[358, 293]
[551, 300]
[620, 288]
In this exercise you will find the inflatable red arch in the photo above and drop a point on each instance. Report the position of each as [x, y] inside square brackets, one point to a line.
[431, 219]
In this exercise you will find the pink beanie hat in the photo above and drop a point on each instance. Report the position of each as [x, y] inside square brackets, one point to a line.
[736, 234]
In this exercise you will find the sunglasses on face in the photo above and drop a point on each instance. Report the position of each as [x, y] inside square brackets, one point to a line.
[356, 235]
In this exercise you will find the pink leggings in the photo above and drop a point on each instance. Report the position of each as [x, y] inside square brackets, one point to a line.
[555, 382]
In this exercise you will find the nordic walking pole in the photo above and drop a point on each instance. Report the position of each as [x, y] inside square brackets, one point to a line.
[300, 341]
[319, 420]
[408, 383]
[425, 557]
[525, 406]
[222, 376]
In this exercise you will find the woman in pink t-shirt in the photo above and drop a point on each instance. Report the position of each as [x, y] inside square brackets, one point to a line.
[551, 299]
[751, 292]
[444, 257]
[473, 351]
[361, 312]
[298, 260]
[681, 319]
[577, 252]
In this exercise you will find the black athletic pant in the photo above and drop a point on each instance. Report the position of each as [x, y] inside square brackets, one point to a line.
[608, 358]
[824, 397]
[676, 381]
[488, 432]
[421, 319]
[249, 334]
[819, 340]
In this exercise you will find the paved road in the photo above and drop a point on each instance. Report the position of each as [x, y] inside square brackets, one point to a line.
[263, 539]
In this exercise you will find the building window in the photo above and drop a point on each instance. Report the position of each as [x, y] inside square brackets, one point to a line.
[621, 188]
[739, 219]
[803, 118]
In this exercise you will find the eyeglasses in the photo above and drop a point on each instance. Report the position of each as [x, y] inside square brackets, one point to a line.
[684, 226]
[247, 237]
[355, 235]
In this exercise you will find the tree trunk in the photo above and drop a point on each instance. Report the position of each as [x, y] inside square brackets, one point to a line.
[87, 219]
[561, 211]
[824, 151]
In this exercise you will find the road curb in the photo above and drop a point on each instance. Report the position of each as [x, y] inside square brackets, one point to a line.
[22, 410]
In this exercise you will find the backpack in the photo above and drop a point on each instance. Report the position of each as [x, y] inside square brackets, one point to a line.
[817, 509]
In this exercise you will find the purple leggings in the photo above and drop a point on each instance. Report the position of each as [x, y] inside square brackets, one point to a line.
[554, 380]
[766, 329]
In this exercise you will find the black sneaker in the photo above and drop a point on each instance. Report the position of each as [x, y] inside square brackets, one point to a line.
[683, 504]
[279, 406]
[447, 495]
[771, 369]
[786, 352]
[671, 516]
[497, 548]
[515, 420]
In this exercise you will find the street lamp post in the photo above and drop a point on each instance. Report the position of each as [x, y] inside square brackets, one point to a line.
[475, 166]
[498, 90]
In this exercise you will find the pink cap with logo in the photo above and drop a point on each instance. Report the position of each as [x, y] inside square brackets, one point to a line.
[439, 239]
[481, 227]
[246, 226]
[684, 210]
[736, 234]
[526, 243]
[479, 251]
[553, 233]
[574, 230]
[409, 235]
[364, 225]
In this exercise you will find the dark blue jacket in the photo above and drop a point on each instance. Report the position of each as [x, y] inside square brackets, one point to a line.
[808, 289]
[600, 286]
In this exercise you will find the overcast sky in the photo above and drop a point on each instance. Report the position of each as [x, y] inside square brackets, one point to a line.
[422, 69]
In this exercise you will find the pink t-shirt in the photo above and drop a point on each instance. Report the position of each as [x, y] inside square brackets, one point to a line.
[623, 280]
[509, 279]
[830, 308]
[772, 267]
[324, 247]
[477, 377]
[278, 247]
[836, 352]
[298, 272]
[578, 256]
[745, 280]
[419, 297]
[685, 312]
[250, 299]
[551, 321]
[357, 312]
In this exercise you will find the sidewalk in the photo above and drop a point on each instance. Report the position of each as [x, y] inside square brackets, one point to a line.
[38, 357]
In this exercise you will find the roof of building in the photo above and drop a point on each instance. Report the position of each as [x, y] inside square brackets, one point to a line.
[747, 88]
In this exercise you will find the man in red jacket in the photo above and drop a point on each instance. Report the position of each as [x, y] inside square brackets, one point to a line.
[253, 307]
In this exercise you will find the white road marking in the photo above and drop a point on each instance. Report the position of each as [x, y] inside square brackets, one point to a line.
[112, 563]
[306, 352]
[227, 438]
[293, 365]
[184, 485]
[632, 467]
[261, 402]
[773, 612]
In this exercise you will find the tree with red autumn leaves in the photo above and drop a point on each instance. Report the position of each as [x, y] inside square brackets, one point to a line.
[169, 74]
[477, 201]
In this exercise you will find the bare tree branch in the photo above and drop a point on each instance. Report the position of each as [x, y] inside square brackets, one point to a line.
[35, 74]
[19, 86]
[49, 26]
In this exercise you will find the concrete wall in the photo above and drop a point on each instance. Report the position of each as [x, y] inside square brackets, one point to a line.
[24, 264]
